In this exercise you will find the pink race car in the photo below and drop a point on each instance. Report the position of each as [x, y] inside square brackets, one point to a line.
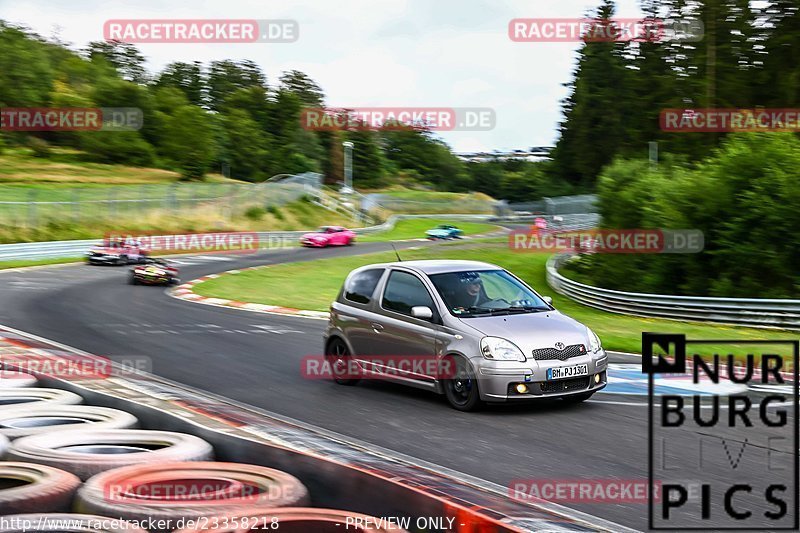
[328, 236]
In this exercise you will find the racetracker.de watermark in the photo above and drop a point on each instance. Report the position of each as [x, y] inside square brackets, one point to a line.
[570, 30]
[388, 118]
[610, 241]
[71, 366]
[580, 490]
[710, 120]
[377, 367]
[228, 242]
[140, 31]
[71, 119]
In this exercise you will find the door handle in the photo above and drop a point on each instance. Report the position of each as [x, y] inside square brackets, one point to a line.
[377, 328]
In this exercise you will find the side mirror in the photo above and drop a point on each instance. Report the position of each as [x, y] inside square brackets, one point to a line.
[548, 300]
[421, 311]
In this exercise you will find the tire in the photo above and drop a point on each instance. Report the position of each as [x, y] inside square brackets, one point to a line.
[577, 398]
[35, 397]
[89, 452]
[132, 279]
[337, 354]
[34, 488]
[11, 379]
[65, 523]
[123, 260]
[24, 421]
[234, 487]
[296, 520]
[462, 391]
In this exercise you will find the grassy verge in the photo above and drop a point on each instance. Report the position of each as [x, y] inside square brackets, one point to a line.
[298, 215]
[416, 228]
[314, 284]
[4, 265]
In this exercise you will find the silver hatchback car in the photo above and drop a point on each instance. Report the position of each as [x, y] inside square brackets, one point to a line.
[492, 338]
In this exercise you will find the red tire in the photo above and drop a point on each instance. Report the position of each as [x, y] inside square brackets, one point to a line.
[293, 520]
[32, 488]
[188, 490]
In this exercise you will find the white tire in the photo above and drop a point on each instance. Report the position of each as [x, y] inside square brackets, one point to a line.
[65, 523]
[35, 488]
[91, 451]
[174, 491]
[21, 421]
[11, 379]
[34, 397]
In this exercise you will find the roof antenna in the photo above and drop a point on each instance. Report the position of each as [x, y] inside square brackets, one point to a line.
[395, 252]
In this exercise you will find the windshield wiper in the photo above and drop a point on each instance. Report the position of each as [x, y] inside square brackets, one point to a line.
[483, 310]
[527, 308]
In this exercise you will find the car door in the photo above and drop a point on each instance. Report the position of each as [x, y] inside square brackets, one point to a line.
[356, 316]
[408, 344]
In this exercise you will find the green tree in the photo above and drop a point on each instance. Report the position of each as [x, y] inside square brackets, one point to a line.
[189, 141]
[226, 77]
[188, 77]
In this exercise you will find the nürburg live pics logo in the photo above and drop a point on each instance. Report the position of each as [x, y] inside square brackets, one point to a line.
[722, 458]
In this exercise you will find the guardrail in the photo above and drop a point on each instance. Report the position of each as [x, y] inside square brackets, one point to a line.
[77, 248]
[754, 312]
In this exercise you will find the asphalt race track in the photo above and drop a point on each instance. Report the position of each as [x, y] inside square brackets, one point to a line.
[255, 358]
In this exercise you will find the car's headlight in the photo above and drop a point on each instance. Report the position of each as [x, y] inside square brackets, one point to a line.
[594, 341]
[497, 349]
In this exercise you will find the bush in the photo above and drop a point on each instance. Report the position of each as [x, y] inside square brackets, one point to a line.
[40, 147]
[274, 211]
[255, 213]
[743, 198]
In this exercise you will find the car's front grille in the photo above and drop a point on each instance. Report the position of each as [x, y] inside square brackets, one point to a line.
[565, 385]
[573, 350]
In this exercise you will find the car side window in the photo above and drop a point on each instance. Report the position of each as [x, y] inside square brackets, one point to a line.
[360, 286]
[404, 291]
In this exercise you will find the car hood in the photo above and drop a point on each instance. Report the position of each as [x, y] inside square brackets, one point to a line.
[530, 331]
[315, 235]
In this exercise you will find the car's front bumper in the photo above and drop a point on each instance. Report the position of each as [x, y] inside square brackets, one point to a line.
[497, 380]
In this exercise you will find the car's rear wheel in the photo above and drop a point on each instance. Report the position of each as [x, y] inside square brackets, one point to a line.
[462, 389]
[338, 357]
[123, 260]
[577, 398]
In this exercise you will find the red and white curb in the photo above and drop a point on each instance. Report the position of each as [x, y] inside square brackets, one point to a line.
[185, 291]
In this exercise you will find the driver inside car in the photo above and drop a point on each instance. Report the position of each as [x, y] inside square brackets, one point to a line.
[471, 292]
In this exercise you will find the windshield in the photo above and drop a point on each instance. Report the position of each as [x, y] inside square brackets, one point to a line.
[486, 292]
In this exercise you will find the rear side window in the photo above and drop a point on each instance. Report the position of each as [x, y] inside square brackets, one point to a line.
[404, 291]
[359, 287]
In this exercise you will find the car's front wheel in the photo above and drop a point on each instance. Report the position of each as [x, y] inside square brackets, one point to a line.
[462, 389]
[337, 354]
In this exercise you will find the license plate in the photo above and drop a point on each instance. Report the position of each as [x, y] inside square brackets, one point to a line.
[564, 372]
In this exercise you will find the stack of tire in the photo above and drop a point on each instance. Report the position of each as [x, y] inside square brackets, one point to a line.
[60, 455]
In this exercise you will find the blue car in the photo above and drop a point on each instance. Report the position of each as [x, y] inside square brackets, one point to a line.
[444, 231]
